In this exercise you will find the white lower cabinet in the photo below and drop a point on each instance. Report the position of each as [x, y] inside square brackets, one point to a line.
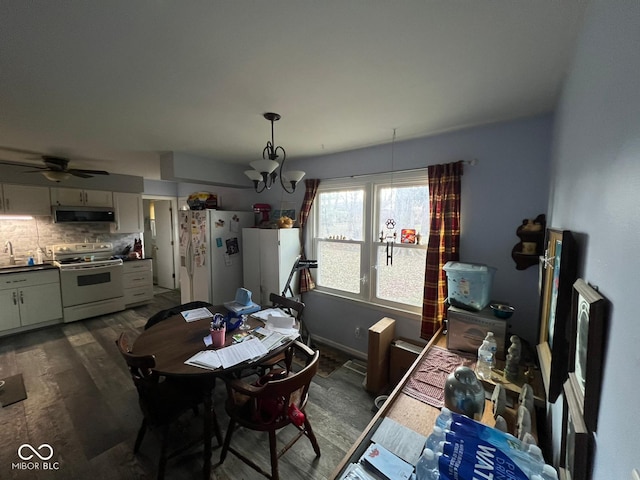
[29, 298]
[138, 282]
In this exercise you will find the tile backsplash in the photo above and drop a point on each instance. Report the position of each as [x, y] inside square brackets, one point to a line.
[27, 235]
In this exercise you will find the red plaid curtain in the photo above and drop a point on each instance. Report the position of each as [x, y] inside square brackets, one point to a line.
[306, 283]
[444, 241]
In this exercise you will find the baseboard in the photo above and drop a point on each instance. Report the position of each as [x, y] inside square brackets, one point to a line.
[330, 343]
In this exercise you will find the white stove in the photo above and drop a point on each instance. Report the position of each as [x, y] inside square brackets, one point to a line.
[90, 279]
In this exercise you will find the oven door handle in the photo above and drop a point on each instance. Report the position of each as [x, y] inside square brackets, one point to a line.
[88, 266]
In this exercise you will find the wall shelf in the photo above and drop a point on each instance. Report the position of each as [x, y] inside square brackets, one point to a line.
[531, 245]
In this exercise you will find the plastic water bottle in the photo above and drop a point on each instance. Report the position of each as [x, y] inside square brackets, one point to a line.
[494, 345]
[536, 458]
[434, 439]
[485, 360]
[549, 473]
[427, 466]
[444, 419]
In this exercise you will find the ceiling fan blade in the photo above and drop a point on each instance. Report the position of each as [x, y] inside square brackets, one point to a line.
[92, 172]
[77, 173]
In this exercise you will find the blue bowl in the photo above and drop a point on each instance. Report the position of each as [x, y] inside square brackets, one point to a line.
[502, 310]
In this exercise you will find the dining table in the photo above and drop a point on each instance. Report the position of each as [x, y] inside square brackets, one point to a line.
[174, 340]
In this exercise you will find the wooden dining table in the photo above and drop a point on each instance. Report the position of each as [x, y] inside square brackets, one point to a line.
[174, 340]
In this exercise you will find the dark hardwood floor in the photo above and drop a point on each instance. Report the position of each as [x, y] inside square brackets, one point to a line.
[82, 402]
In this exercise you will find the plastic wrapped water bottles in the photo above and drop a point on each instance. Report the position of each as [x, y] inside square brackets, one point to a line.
[444, 419]
[427, 466]
[434, 439]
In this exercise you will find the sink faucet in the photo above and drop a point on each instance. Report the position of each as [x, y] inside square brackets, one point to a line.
[8, 248]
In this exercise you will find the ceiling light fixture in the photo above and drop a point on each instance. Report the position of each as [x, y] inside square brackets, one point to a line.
[55, 176]
[264, 171]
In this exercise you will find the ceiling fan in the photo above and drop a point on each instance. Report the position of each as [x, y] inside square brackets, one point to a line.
[57, 169]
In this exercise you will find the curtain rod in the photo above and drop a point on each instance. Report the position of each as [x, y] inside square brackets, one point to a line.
[473, 162]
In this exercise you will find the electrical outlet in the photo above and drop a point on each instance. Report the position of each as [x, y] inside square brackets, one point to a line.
[358, 332]
[635, 474]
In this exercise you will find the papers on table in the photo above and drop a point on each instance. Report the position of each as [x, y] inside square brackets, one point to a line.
[205, 359]
[264, 314]
[196, 314]
[271, 338]
[228, 356]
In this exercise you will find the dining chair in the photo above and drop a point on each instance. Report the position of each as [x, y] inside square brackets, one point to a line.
[170, 312]
[162, 401]
[272, 403]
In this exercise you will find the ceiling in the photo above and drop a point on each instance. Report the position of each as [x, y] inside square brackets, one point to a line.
[112, 84]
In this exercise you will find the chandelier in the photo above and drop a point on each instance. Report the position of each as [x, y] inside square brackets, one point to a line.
[264, 171]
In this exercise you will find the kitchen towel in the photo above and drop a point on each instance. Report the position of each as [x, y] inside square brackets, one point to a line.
[13, 390]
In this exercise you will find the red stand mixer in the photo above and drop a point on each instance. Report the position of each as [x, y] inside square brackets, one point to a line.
[262, 211]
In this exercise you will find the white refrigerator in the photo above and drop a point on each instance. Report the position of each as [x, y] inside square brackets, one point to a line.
[211, 254]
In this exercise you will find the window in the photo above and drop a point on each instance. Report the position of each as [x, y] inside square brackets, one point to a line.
[349, 218]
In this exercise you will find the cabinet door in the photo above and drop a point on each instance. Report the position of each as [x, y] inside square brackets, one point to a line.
[40, 303]
[128, 208]
[69, 197]
[10, 317]
[26, 200]
[98, 198]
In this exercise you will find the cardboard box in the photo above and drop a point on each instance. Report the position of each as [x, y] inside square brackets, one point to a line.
[466, 330]
[404, 352]
[380, 337]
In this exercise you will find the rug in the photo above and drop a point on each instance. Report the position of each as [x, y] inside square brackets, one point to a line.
[330, 360]
[428, 379]
[13, 390]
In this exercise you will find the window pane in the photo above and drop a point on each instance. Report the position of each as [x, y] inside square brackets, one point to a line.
[408, 206]
[403, 281]
[341, 215]
[339, 266]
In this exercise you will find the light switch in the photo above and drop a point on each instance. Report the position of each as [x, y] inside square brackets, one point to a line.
[635, 474]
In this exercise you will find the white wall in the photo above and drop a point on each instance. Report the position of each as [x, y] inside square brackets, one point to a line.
[595, 191]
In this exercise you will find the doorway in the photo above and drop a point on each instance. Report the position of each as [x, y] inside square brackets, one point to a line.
[160, 238]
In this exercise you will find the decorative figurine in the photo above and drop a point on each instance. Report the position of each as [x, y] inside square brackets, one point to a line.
[463, 393]
[499, 400]
[512, 365]
[523, 425]
[526, 397]
[501, 424]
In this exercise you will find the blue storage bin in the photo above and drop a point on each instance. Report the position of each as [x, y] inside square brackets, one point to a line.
[469, 284]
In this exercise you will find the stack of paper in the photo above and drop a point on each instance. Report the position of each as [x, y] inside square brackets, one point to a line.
[271, 338]
[205, 359]
[196, 314]
[383, 462]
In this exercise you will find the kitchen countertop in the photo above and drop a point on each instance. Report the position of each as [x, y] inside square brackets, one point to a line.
[26, 268]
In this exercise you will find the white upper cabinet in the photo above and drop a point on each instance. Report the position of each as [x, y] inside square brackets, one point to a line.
[24, 200]
[75, 197]
[128, 207]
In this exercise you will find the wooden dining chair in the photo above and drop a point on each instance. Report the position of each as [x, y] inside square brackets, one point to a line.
[170, 312]
[273, 403]
[162, 401]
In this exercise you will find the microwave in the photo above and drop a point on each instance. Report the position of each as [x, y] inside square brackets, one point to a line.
[83, 215]
[466, 330]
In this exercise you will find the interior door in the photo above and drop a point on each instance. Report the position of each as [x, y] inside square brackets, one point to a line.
[163, 248]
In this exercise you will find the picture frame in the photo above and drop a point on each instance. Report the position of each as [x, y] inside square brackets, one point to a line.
[576, 445]
[559, 272]
[588, 317]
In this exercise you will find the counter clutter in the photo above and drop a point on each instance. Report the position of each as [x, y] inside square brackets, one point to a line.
[405, 423]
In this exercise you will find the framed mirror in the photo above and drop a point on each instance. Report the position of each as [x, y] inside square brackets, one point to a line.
[558, 273]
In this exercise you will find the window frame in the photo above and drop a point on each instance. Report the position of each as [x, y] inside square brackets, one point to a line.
[371, 185]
